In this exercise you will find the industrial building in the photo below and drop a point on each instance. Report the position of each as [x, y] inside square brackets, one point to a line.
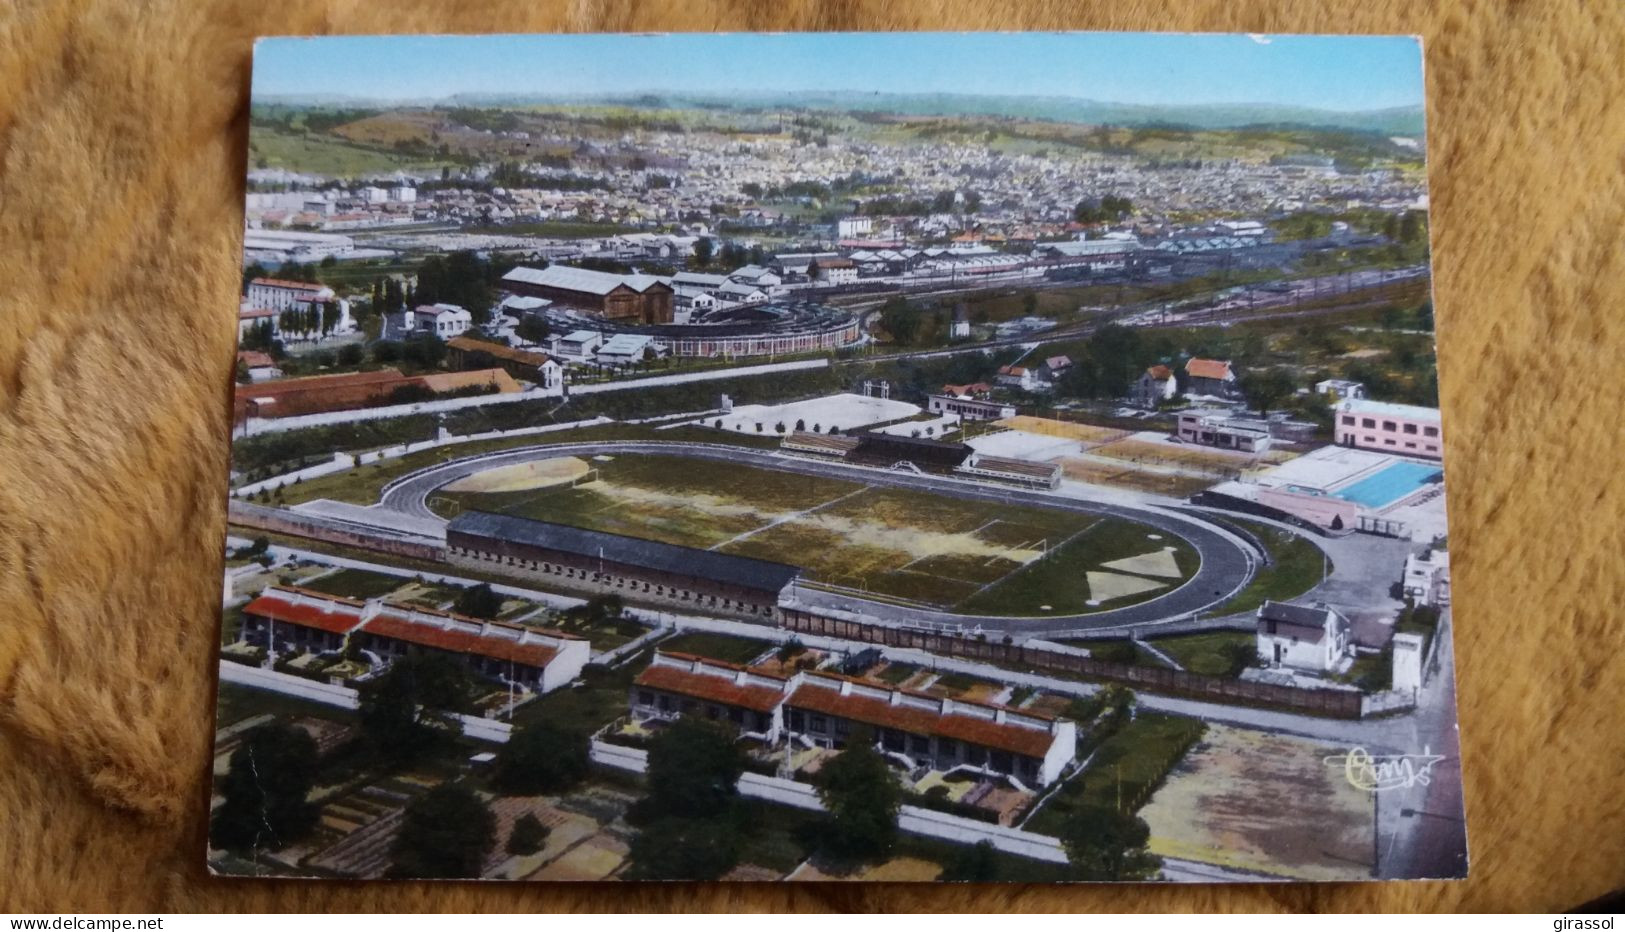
[641, 299]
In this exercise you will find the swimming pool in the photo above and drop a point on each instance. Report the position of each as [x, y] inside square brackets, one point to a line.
[1390, 485]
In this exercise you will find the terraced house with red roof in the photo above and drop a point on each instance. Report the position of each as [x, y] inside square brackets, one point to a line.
[288, 617]
[820, 709]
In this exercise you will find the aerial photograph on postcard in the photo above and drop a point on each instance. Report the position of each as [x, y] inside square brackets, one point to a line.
[891, 457]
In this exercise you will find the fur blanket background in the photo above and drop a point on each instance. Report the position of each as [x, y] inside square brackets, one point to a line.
[122, 135]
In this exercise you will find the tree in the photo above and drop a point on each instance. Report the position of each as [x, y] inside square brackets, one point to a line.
[424, 350]
[251, 272]
[528, 835]
[406, 710]
[900, 320]
[862, 796]
[266, 783]
[1266, 388]
[543, 757]
[690, 826]
[677, 848]
[1119, 358]
[1105, 844]
[694, 769]
[704, 250]
[978, 863]
[478, 601]
[533, 329]
[386, 351]
[446, 832]
[351, 354]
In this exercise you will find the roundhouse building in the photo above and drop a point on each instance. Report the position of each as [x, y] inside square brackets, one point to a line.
[775, 328]
[639, 569]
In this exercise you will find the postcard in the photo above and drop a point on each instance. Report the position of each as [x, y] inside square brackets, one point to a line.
[906, 457]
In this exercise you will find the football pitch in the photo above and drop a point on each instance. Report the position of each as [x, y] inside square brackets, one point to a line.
[900, 544]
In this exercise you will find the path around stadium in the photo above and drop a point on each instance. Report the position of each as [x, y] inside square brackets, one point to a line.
[1226, 565]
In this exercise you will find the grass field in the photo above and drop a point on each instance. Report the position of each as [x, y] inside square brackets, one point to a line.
[1296, 566]
[895, 543]
[1126, 768]
[1211, 653]
[716, 646]
[356, 584]
[324, 155]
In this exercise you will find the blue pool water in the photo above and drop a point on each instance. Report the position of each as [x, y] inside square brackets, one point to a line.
[1389, 485]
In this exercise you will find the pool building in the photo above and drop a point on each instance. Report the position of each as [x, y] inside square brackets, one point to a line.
[1339, 488]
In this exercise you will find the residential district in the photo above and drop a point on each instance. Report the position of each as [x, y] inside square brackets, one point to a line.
[797, 495]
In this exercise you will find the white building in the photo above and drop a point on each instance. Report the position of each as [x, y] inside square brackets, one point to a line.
[443, 320]
[576, 346]
[1340, 389]
[1155, 386]
[626, 348]
[1315, 639]
[854, 227]
[1427, 578]
[273, 299]
[276, 294]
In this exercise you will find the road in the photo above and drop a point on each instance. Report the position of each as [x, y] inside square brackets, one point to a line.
[1225, 564]
[1422, 828]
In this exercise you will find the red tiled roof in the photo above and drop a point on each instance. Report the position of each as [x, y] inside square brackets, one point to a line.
[1160, 373]
[320, 383]
[388, 623]
[1029, 742]
[1208, 368]
[532, 654]
[499, 351]
[424, 635]
[338, 618]
[713, 688]
[254, 359]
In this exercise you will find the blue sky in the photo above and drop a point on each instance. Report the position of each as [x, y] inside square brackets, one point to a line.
[1328, 72]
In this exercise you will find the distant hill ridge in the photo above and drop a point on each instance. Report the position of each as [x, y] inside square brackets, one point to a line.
[1398, 121]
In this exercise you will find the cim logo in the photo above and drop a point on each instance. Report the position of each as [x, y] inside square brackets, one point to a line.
[1380, 772]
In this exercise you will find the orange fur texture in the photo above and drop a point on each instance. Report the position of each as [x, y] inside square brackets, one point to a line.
[122, 137]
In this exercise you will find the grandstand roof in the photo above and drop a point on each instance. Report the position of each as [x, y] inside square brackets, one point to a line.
[635, 551]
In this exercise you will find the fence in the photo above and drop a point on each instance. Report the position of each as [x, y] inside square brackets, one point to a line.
[344, 697]
[912, 819]
[282, 521]
[1326, 702]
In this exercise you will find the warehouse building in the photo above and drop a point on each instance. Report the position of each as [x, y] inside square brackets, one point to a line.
[597, 561]
[638, 299]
